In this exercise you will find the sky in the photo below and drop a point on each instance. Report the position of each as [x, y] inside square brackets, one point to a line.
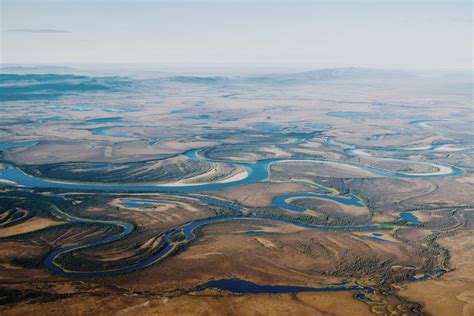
[376, 33]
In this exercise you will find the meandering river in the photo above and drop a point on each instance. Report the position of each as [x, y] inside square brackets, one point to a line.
[258, 171]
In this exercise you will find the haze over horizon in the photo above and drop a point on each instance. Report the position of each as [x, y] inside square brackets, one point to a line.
[236, 157]
[421, 35]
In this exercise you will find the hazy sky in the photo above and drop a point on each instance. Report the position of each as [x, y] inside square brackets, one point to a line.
[378, 33]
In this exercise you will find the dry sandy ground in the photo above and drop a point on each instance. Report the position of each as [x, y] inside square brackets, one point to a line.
[318, 168]
[259, 194]
[332, 207]
[236, 175]
[212, 304]
[452, 294]
[31, 225]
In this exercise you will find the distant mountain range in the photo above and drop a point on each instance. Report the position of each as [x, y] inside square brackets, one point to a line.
[15, 87]
[329, 74]
[351, 73]
[37, 70]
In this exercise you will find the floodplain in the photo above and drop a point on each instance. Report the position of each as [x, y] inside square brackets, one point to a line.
[325, 192]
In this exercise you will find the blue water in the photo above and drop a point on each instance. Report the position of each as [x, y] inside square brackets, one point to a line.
[376, 238]
[257, 171]
[48, 261]
[105, 120]
[269, 127]
[280, 200]
[153, 142]
[362, 297]
[198, 117]
[187, 229]
[52, 118]
[105, 131]
[138, 203]
[439, 272]
[246, 287]
[17, 144]
[409, 217]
